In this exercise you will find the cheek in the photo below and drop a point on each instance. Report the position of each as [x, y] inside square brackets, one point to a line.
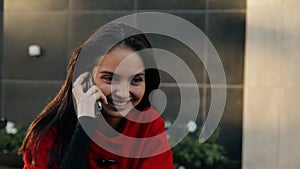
[105, 88]
[139, 91]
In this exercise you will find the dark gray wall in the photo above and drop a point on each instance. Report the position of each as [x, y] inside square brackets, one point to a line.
[58, 26]
[1, 49]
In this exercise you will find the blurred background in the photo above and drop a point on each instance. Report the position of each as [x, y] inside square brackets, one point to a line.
[257, 42]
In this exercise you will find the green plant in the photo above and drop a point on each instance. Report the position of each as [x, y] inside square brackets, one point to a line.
[10, 142]
[190, 153]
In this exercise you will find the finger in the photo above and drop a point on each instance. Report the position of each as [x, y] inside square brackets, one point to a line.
[75, 93]
[100, 96]
[92, 90]
[103, 98]
[95, 89]
[78, 93]
[77, 87]
[80, 78]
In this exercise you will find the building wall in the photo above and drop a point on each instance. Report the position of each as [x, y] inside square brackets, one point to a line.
[59, 26]
[271, 88]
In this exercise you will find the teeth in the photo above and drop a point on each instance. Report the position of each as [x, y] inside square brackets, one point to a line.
[120, 103]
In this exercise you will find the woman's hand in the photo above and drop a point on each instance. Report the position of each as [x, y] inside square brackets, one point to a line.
[85, 101]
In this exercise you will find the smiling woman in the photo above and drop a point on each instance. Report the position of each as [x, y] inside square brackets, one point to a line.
[121, 84]
[68, 133]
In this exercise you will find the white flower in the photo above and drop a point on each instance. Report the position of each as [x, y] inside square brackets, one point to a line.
[181, 167]
[167, 124]
[10, 128]
[192, 126]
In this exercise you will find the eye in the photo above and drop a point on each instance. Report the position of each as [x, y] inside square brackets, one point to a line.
[107, 79]
[137, 80]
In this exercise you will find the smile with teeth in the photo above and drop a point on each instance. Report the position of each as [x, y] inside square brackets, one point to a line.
[117, 103]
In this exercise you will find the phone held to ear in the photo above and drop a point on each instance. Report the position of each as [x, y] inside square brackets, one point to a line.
[91, 81]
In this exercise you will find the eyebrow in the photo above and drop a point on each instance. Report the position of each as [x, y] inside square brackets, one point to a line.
[113, 74]
[107, 72]
[138, 74]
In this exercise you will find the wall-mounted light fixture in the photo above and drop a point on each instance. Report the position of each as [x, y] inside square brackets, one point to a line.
[34, 50]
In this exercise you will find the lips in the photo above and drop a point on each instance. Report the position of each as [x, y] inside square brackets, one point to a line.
[118, 104]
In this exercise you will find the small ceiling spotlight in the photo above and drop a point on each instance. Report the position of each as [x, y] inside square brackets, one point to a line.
[34, 50]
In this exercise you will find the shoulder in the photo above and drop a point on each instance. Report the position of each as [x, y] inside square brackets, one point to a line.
[47, 137]
[36, 153]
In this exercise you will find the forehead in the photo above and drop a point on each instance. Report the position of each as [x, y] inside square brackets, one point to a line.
[121, 60]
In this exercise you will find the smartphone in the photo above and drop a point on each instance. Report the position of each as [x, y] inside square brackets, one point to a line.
[91, 81]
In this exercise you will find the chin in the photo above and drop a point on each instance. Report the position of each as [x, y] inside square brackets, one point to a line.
[115, 113]
[112, 110]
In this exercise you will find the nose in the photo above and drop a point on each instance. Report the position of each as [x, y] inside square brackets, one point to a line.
[122, 90]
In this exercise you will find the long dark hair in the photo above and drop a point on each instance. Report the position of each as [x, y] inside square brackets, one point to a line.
[60, 111]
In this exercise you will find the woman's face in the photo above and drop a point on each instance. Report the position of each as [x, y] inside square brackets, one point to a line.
[122, 84]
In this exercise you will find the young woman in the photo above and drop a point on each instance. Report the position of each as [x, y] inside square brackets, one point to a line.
[67, 135]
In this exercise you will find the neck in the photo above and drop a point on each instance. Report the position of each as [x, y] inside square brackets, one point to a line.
[113, 121]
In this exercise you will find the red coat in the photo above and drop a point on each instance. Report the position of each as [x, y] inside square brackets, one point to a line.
[132, 129]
